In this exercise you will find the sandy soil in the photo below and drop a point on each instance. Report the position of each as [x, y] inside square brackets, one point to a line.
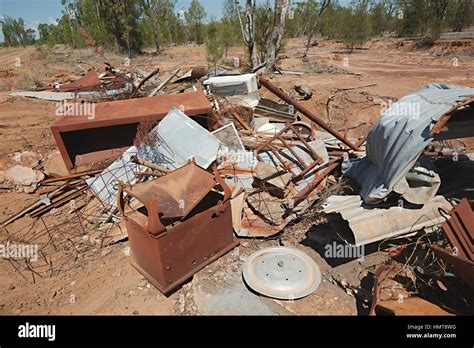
[106, 283]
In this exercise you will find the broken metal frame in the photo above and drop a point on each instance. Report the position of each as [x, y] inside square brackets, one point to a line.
[319, 177]
[268, 146]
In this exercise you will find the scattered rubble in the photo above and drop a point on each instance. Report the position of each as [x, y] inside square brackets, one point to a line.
[188, 166]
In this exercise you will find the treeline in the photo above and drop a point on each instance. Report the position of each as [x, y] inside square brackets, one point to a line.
[130, 25]
[364, 19]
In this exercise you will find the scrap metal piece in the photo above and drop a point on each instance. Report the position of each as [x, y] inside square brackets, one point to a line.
[254, 223]
[53, 96]
[304, 91]
[180, 139]
[88, 82]
[282, 273]
[462, 266]
[169, 251]
[383, 272]
[285, 162]
[229, 136]
[275, 112]
[239, 88]
[411, 306]
[460, 228]
[397, 140]
[232, 85]
[115, 123]
[369, 224]
[105, 185]
[301, 108]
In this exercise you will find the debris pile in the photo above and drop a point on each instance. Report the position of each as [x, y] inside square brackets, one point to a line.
[186, 166]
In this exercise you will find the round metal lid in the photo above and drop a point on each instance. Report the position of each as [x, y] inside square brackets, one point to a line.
[281, 272]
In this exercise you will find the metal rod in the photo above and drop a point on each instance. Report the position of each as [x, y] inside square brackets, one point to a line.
[283, 96]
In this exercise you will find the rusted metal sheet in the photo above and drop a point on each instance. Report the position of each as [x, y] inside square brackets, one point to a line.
[115, 123]
[383, 272]
[442, 125]
[176, 196]
[168, 251]
[301, 108]
[99, 156]
[88, 82]
[460, 228]
[410, 306]
[462, 266]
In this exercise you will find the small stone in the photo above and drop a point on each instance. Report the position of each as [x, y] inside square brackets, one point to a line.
[195, 308]
[135, 312]
[117, 273]
[126, 251]
[28, 159]
[23, 175]
[54, 165]
[142, 282]
[106, 252]
[245, 244]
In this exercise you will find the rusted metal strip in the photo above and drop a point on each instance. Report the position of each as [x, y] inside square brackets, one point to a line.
[382, 273]
[70, 177]
[462, 266]
[460, 229]
[142, 82]
[439, 126]
[88, 82]
[301, 108]
[305, 168]
[301, 196]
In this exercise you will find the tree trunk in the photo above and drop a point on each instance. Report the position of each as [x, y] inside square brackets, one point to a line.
[70, 24]
[281, 9]
[156, 36]
[248, 33]
[308, 45]
[314, 27]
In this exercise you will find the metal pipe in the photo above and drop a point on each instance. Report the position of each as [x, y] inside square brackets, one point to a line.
[301, 108]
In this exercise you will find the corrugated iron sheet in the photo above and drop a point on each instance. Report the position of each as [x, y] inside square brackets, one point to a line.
[395, 143]
[370, 224]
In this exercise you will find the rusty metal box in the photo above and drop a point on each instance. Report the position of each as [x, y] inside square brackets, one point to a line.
[184, 225]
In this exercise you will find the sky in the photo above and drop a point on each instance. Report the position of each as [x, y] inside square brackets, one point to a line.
[47, 11]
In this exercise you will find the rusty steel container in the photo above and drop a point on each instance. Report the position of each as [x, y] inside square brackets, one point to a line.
[183, 226]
